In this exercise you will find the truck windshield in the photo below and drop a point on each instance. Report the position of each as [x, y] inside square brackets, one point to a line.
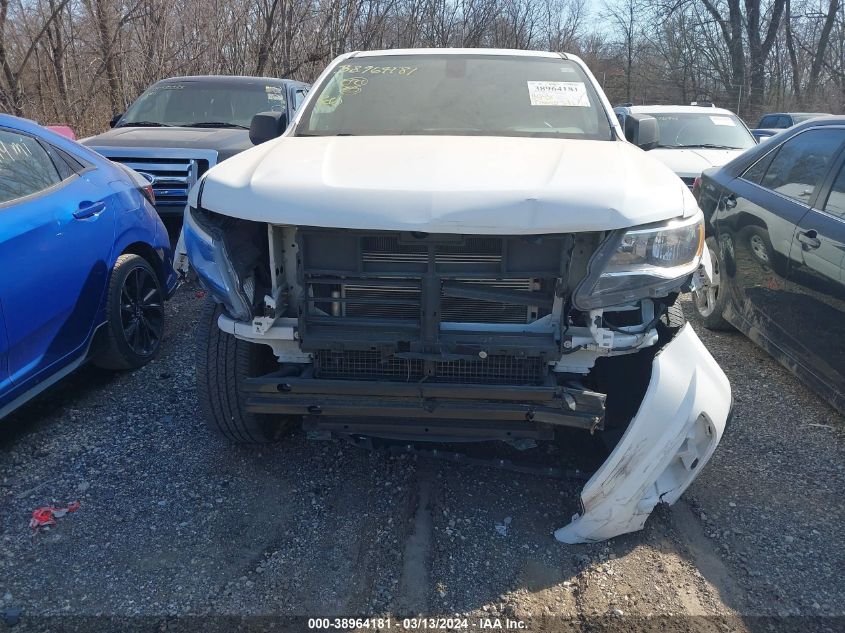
[204, 104]
[702, 130]
[465, 94]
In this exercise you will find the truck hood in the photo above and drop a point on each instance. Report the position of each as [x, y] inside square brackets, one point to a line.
[446, 184]
[689, 163]
[226, 141]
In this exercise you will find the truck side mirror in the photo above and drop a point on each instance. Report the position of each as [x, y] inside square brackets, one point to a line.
[115, 119]
[641, 130]
[266, 126]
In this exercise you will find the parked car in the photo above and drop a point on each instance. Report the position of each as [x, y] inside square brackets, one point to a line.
[776, 234]
[86, 262]
[771, 124]
[459, 244]
[693, 138]
[62, 130]
[180, 127]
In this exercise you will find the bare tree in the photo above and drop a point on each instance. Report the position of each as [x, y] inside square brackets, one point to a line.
[80, 61]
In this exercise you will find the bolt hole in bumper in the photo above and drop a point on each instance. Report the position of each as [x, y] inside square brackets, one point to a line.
[674, 433]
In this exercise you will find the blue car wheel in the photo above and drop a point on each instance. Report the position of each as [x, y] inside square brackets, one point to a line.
[135, 315]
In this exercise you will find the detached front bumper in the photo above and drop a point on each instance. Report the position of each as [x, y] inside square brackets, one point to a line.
[677, 428]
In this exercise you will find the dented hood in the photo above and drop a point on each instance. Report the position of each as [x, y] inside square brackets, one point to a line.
[446, 184]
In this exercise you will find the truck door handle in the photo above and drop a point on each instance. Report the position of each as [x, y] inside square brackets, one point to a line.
[89, 209]
[809, 239]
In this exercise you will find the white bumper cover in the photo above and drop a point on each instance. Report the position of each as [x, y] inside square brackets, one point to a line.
[673, 435]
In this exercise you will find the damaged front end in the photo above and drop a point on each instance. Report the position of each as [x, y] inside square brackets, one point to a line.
[447, 337]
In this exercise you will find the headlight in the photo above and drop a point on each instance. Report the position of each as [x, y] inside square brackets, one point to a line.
[642, 262]
[208, 256]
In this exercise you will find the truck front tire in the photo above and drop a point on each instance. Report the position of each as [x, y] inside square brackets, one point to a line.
[223, 363]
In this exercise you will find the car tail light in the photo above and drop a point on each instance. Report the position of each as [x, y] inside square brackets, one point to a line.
[141, 184]
[696, 187]
[149, 193]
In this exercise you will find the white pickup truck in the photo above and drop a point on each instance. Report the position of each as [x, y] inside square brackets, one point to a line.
[455, 245]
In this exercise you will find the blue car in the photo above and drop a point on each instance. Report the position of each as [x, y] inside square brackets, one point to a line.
[84, 262]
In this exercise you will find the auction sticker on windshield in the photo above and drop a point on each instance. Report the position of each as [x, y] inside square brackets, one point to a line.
[723, 120]
[558, 93]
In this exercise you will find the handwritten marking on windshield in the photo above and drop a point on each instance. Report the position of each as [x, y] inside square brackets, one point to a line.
[379, 70]
[352, 85]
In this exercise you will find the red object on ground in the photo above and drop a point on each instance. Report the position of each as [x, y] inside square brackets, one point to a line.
[64, 130]
[47, 515]
[200, 294]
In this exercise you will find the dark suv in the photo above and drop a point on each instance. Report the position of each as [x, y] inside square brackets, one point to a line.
[180, 127]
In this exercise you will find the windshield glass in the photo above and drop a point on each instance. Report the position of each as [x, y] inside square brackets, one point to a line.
[800, 118]
[187, 103]
[485, 95]
[702, 130]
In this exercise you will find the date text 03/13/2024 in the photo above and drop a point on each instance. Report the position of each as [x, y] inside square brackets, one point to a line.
[417, 624]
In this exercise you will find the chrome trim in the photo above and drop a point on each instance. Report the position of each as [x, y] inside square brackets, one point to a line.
[171, 190]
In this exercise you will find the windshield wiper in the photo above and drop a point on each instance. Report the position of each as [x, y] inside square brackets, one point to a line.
[215, 124]
[144, 124]
[330, 134]
[702, 146]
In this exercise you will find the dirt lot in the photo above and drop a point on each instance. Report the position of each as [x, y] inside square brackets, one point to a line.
[174, 523]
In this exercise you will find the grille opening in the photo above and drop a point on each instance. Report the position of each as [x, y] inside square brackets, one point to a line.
[173, 177]
[367, 288]
[373, 365]
[401, 299]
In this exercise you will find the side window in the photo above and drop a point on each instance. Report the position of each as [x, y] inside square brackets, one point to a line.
[756, 172]
[802, 162]
[299, 98]
[783, 122]
[836, 200]
[768, 121]
[25, 167]
[65, 164]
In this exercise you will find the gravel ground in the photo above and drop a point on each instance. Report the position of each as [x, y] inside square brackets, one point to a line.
[174, 523]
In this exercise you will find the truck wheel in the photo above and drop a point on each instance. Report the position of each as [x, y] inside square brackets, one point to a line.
[135, 315]
[709, 301]
[223, 362]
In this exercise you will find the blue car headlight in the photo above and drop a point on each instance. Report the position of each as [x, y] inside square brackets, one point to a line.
[207, 254]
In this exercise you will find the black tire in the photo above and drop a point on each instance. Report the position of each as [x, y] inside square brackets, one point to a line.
[709, 302]
[223, 362]
[135, 315]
